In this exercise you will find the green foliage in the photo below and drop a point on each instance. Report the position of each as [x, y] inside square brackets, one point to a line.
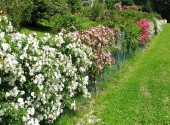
[12, 117]
[131, 37]
[45, 9]
[148, 7]
[64, 21]
[112, 18]
[40, 7]
[19, 11]
[160, 6]
[110, 3]
[33, 11]
[97, 10]
[84, 23]
[75, 5]
[69, 20]
[127, 2]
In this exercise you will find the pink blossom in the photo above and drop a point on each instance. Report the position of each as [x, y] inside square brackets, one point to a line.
[101, 39]
[145, 26]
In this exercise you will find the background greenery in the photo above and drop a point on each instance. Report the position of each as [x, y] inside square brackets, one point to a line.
[58, 14]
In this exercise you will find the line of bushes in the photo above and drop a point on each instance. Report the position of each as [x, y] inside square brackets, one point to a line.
[41, 77]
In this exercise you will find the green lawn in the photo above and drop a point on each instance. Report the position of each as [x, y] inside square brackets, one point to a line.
[40, 30]
[140, 93]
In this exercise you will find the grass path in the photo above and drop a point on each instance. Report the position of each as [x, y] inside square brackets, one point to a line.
[141, 95]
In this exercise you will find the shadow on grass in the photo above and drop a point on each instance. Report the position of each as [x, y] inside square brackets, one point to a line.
[40, 28]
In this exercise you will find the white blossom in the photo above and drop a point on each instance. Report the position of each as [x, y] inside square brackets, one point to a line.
[2, 34]
[7, 94]
[31, 111]
[5, 46]
[23, 79]
[73, 105]
[21, 101]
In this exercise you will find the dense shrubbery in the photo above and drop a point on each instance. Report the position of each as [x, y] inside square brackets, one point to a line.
[131, 38]
[41, 77]
[19, 11]
[33, 11]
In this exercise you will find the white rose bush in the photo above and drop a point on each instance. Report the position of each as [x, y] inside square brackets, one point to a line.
[159, 24]
[151, 30]
[40, 77]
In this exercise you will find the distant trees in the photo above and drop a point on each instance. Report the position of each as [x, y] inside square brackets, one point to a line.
[162, 7]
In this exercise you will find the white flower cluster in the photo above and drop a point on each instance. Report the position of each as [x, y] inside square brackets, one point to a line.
[159, 24]
[6, 25]
[41, 75]
[151, 30]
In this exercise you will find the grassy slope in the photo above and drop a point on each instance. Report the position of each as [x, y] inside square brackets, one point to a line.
[142, 91]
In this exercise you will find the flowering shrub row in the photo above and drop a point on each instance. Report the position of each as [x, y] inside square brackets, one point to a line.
[41, 77]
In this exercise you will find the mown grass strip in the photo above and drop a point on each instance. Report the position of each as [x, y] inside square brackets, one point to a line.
[143, 88]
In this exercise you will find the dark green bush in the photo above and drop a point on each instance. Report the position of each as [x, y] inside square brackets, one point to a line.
[45, 9]
[69, 20]
[109, 24]
[62, 21]
[148, 7]
[110, 3]
[87, 25]
[127, 2]
[97, 10]
[131, 37]
[112, 18]
[75, 5]
[19, 11]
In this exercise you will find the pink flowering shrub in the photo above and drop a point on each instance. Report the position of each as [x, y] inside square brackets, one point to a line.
[102, 41]
[119, 6]
[133, 7]
[145, 33]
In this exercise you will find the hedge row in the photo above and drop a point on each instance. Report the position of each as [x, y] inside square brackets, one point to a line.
[41, 77]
